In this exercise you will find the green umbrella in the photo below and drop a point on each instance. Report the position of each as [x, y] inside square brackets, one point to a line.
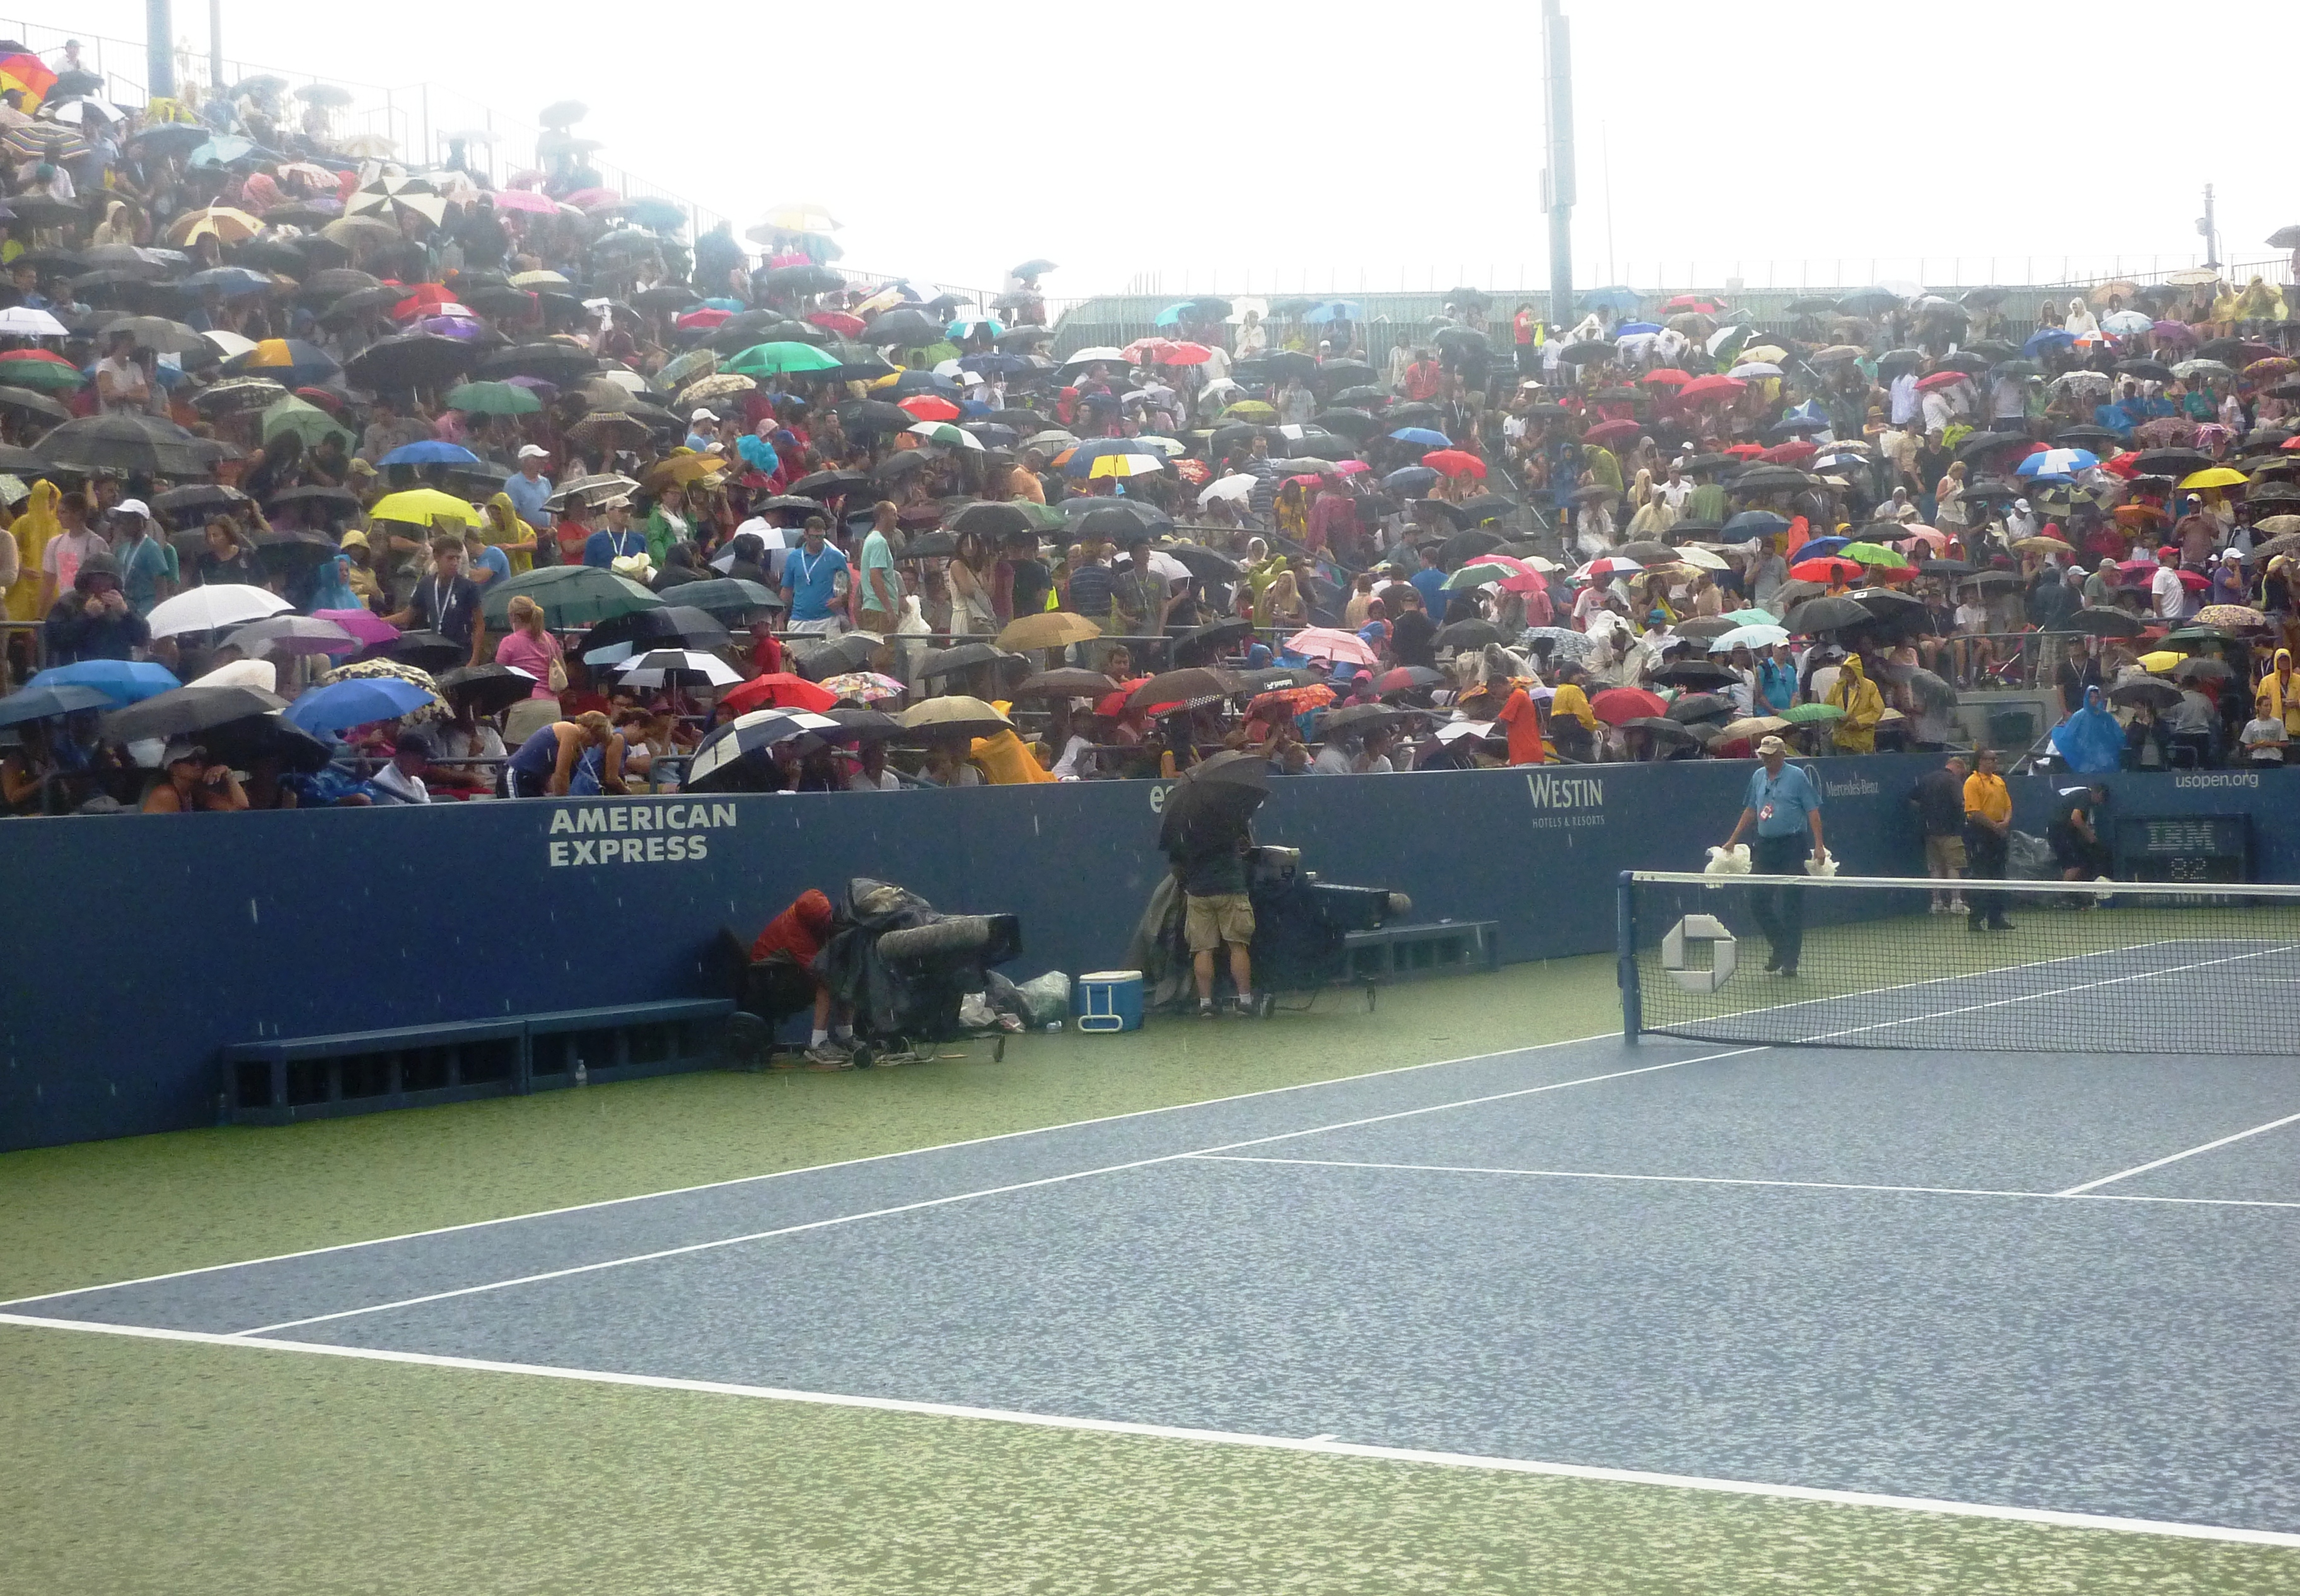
[571, 595]
[1753, 617]
[493, 399]
[1477, 575]
[762, 360]
[1043, 517]
[1869, 553]
[45, 376]
[931, 355]
[1804, 713]
[306, 420]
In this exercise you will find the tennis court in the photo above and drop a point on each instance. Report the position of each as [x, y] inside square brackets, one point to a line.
[2039, 1283]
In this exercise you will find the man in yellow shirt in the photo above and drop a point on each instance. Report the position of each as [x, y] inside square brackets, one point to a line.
[1988, 840]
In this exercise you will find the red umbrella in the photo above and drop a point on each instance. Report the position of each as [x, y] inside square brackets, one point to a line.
[1454, 462]
[1604, 434]
[1667, 376]
[1796, 452]
[1702, 388]
[1617, 704]
[2194, 581]
[2290, 443]
[1938, 380]
[1295, 700]
[2123, 465]
[1115, 704]
[1827, 569]
[779, 690]
[1745, 451]
[929, 407]
[421, 300]
[703, 319]
[48, 356]
[1184, 354]
[838, 321]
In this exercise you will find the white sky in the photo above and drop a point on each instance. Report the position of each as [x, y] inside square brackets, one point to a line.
[1417, 144]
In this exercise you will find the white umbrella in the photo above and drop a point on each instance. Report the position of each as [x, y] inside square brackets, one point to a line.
[1167, 566]
[1088, 356]
[1453, 731]
[650, 669]
[84, 112]
[1755, 369]
[259, 674]
[229, 343]
[210, 609]
[1749, 636]
[1237, 489]
[24, 321]
[1701, 559]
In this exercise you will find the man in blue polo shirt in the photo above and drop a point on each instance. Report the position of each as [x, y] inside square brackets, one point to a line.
[1783, 803]
[810, 574]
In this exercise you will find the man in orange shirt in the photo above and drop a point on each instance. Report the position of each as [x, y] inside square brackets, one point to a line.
[1424, 377]
[1523, 715]
[1988, 840]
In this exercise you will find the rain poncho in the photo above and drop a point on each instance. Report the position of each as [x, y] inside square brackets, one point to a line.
[32, 530]
[1573, 704]
[332, 589]
[501, 524]
[2091, 739]
[1854, 693]
[2277, 697]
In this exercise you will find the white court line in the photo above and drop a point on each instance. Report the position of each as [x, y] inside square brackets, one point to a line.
[1724, 1180]
[739, 1180]
[1320, 1446]
[929, 1202]
[2174, 1158]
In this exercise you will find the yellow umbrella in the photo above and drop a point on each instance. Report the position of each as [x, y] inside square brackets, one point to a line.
[417, 505]
[1124, 465]
[801, 217]
[1251, 410]
[2215, 477]
[1771, 353]
[214, 221]
[351, 231]
[2163, 659]
[1050, 629]
[683, 468]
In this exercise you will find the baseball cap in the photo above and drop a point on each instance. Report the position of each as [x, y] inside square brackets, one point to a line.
[533, 452]
[704, 415]
[1772, 745]
[414, 739]
[353, 539]
[132, 507]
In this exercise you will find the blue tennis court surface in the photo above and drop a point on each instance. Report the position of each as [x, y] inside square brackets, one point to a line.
[2028, 1281]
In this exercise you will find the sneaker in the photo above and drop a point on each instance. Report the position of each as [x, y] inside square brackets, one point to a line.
[1788, 972]
[1773, 963]
[1243, 1006]
[828, 1052]
[2000, 925]
[1938, 908]
[1206, 1009]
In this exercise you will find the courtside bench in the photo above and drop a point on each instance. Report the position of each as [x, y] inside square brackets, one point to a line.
[283, 1079]
[1430, 948]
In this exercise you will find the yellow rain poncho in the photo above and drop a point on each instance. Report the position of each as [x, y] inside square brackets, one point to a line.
[1854, 693]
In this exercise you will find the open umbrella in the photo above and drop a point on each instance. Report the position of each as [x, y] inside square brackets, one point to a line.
[571, 595]
[208, 609]
[184, 710]
[956, 715]
[356, 703]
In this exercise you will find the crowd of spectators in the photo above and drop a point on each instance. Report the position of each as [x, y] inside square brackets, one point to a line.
[468, 488]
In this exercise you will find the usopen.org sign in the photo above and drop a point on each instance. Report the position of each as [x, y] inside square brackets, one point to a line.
[1564, 801]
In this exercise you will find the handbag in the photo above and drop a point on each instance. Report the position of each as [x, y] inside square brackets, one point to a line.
[556, 681]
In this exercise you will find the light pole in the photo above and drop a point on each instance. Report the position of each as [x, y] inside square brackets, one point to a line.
[215, 45]
[159, 49]
[1557, 186]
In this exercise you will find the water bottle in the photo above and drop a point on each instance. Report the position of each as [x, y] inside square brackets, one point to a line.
[1053, 1027]
[582, 1071]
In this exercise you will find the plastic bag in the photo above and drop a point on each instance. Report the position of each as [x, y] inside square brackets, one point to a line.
[2030, 857]
[1048, 997]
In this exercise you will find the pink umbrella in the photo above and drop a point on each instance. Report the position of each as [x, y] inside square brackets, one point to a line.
[1936, 541]
[1350, 468]
[593, 199]
[363, 624]
[528, 200]
[1326, 642]
[1522, 577]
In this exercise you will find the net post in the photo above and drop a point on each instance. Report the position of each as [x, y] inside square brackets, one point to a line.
[1626, 938]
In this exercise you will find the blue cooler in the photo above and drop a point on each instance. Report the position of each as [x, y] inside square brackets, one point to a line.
[1110, 999]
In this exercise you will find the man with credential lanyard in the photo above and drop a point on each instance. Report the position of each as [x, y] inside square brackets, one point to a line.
[1783, 803]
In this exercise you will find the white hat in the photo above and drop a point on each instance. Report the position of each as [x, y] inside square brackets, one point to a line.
[533, 452]
[132, 507]
[704, 415]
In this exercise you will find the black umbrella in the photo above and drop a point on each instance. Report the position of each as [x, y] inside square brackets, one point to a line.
[561, 363]
[1358, 715]
[873, 416]
[1700, 706]
[416, 360]
[2105, 623]
[930, 546]
[326, 286]
[1694, 673]
[1944, 568]
[1465, 546]
[1487, 507]
[2147, 370]
[804, 279]
[829, 485]
[2171, 463]
[2100, 440]
[1886, 604]
[24, 401]
[126, 441]
[902, 462]
[1206, 564]
[989, 520]
[863, 724]
[1337, 374]
[684, 622]
[1193, 646]
[1981, 443]
[2145, 690]
[1467, 634]
[1113, 520]
[331, 500]
[1209, 808]
[291, 550]
[903, 327]
[1826, 614]
[489, 689]
[1182, 686]
[200, 498]
[850, 652]
[425, 650]
[1066, 683]
[182, 710]
[964, 656]
[1357, 424]
[253, 739]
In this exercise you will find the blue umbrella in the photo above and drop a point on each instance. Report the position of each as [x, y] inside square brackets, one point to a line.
[235, 282]
[121, 681]
[357, 702]
[430, 452]
[1411, 480]
[724, 304]
[1757, 523]
[2046, 338]
[1172, 314]
[45, 703]
[1425, 437]
[1628, 329]
[1611, 299]
[992, 365]
[1820, 546]
[965, 327]
[2056, 462]
[1337, 310]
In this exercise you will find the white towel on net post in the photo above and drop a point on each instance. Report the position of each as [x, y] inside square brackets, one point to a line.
[1728, 862]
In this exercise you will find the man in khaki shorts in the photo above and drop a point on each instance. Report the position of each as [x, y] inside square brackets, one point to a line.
[1939, 799]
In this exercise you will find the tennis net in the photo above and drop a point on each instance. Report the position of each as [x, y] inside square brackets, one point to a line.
[2091, 968]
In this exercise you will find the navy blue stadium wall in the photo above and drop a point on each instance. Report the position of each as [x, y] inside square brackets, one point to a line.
[139, 947]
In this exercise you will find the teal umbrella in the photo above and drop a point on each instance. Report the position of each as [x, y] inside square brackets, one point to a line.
[763, 360]
[1804, 713]
[571, 595]
[493, 399]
